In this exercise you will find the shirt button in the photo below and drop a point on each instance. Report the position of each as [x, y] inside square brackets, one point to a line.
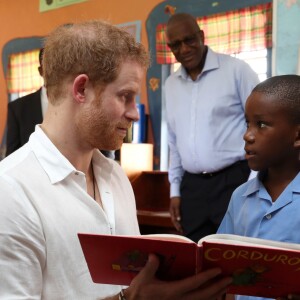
[76, 173]
[269, 216]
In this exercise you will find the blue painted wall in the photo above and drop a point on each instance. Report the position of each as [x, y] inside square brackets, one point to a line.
[287, 36]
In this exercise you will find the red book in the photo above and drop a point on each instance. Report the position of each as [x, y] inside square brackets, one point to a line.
[259, 267]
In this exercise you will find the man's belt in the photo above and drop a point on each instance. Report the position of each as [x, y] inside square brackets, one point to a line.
[212, 174]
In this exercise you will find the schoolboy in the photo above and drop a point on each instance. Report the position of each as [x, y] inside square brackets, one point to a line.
[268, 206]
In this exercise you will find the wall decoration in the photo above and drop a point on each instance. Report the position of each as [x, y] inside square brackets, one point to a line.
[154, 84]
[170, 10]
[134, 28]
[46, 5]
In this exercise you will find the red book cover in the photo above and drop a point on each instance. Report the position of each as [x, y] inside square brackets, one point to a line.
[258, 267]
[118, 259]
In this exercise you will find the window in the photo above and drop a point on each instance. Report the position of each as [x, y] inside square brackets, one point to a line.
[245, 33]
[243, 30]
[15, 47]
[22, 75]
[258, 61]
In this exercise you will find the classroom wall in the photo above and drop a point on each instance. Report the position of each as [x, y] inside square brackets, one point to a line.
[286, 31]
[21, 18]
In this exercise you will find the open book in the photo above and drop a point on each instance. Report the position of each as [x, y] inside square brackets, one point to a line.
[259, 267]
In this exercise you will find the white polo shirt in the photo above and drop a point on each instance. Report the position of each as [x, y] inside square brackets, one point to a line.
[43, 205]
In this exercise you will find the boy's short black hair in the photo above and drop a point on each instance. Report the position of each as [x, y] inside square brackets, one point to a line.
[285, 90]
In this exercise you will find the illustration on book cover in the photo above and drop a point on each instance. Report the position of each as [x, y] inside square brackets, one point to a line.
[249, 275]
[135, 260]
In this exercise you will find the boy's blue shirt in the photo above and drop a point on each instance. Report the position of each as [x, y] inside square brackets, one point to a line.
[251, 212]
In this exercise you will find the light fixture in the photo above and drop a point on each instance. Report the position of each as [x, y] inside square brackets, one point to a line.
[135, 158]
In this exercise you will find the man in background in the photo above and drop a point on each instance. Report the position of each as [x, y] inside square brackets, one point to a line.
[24, 113]
[205, 102]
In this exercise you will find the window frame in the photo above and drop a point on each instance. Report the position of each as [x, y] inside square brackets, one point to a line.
[12, 47]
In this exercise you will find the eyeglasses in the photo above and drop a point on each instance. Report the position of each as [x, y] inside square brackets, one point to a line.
[188, 41]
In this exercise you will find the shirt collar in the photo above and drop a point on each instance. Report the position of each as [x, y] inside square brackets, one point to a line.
[44, 100]
[255, 184]
[211, 63]
[54, 163]
[295, 184]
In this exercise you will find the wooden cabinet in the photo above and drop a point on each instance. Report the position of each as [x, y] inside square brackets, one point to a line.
[152, 190]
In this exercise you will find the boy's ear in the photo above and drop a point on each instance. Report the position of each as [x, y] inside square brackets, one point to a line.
[297, 138]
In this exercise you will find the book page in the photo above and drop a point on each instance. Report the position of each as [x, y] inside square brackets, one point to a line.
[168, 237]
[232, 239]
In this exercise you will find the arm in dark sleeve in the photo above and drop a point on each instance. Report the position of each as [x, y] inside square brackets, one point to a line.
[13, 141]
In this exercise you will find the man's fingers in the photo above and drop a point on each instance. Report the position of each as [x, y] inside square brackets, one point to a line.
[148, 272]
[213, 291]
[199, 280]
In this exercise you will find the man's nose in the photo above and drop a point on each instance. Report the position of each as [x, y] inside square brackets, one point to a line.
[133, 113]
[184, 47]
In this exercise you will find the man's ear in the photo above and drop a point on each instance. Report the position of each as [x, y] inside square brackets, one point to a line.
[40, 69]
[79, 86]
[297, 137]
[202, 36]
